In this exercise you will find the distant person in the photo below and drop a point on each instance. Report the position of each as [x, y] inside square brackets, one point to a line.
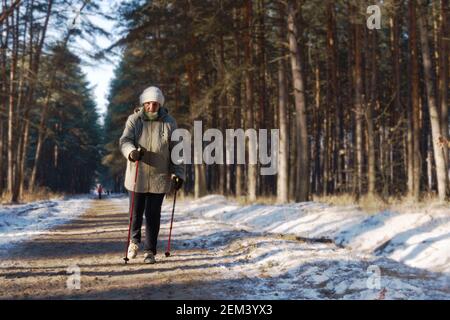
[99, 190]
[146, 138]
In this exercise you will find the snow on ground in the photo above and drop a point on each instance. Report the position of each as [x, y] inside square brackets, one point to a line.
[418, 238]
[268, 264]
[222, 250]
[22, 221]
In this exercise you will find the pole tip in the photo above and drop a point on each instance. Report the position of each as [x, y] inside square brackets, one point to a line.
[167, 253]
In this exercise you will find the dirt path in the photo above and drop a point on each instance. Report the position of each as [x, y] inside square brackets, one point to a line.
[95, 243]
[210, 260]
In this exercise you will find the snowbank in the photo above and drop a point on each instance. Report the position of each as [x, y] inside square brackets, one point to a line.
[20, 222]
[419, 238]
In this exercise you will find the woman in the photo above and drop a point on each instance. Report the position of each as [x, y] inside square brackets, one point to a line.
[146, 138]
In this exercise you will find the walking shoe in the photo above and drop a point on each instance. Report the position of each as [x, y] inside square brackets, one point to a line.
[149, 258]
[132, 250]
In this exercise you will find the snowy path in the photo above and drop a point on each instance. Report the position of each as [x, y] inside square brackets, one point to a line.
[210, 260]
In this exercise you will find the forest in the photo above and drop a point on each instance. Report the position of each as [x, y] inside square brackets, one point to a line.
[359, 91]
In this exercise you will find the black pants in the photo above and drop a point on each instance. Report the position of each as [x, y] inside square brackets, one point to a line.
[150, 203]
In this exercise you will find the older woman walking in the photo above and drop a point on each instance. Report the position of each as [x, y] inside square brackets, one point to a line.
[146, 138]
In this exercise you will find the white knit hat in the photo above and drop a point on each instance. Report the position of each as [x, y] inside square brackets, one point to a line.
[152, 94]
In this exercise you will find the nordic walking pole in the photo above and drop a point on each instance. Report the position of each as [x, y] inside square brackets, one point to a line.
[131, 213]
[171, 223]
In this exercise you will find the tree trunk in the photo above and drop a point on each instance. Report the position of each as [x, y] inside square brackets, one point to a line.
[302, 193]
[249, 120]
[413, 138]
[358, 108]
[34, 62]
[370, 107]
[390, 179]
[293, 145]
[334, 103]
[325, 177]
[21, 107]
[319, 174]
[23, 157]
[432, 106]
[443, 72]
[11, 114]
[40, 139]
[283, 157]
[222, 116]
[239, 174]
[3, 95]
[199, 169]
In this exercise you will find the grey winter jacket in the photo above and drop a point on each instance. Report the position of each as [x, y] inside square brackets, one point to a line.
[156, 166]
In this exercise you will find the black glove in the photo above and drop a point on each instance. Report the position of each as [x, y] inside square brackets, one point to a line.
[135, 155]
[177, 182]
